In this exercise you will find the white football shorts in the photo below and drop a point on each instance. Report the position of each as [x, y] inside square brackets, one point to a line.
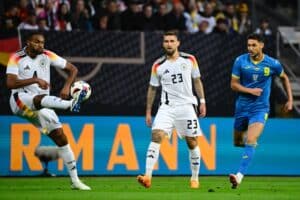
[183, 118]
[45, 119]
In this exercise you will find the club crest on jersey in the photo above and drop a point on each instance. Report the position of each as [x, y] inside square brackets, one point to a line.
[255, 77]
[43, 63]
[256, 68]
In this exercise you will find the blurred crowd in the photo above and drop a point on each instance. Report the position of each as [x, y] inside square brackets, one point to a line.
[193, 16]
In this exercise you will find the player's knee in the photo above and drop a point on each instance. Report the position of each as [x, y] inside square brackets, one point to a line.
[239, 142]
[37, 101]
[58, 137]
[157, 136]
[191, 142]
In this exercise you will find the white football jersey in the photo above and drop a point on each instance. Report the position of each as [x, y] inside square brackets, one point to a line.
[26, 67]
[175, 77]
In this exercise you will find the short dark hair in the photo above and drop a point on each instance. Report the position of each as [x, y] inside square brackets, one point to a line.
[32, 33]
[172, 32]
[255, 36]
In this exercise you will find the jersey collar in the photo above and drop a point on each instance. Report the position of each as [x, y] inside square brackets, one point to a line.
[256, 62]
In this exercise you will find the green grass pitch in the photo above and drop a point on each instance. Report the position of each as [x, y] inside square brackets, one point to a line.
[163, 188]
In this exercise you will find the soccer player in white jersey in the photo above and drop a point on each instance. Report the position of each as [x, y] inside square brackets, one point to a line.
[28, 77]
[174, 72]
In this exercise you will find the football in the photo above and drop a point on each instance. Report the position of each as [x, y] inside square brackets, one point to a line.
[78, 86]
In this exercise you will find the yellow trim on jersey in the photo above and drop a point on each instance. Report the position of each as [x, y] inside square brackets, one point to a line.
[266, 116]
[51, 55]
[235, 76]
[13, 61]
[281, 74]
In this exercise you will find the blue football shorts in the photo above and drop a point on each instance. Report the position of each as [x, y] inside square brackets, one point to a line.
[244, 119]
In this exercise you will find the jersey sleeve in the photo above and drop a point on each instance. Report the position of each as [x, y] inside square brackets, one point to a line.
[154, 79]
[236, 69]
[277, 67]
[12, 66]
[195, 67]
[56, 60]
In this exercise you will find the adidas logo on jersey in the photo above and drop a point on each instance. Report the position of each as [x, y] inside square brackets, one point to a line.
[27, 67]
[166, 71]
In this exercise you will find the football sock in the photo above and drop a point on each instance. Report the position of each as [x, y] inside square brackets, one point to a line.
[152, 157]
[239, 176]
[55, 102]
[195, 157]
[246, 158]
[66, 153]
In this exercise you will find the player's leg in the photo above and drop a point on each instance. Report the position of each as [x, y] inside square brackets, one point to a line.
[46, 101]
[187, 126]
[52, 127]
[255, 128]
[162, 126]
[151, 157]
[240, 130]
[239, 139]
[195, 158]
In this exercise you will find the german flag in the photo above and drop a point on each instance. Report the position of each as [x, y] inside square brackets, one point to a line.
[9, 43]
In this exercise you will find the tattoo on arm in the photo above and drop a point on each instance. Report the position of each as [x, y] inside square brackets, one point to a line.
[150, 98]
[199, 88]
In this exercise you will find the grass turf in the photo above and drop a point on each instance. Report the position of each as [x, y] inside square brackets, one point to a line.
[162, 188]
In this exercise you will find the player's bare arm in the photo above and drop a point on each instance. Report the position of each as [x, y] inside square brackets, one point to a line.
[72, 71]
[12, 82]
[287, 86]
[150, 99]
[200, 94]
[236, 86]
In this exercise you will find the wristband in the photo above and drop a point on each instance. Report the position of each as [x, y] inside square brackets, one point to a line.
[202, 100]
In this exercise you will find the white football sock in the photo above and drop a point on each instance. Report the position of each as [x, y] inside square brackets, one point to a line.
[195, 157]
[152, 157]
[240, 177]
[66, 153]
[55, 102]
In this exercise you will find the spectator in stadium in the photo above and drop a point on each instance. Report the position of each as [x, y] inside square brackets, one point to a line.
[30, 23]
[251, 78]
[80, 19]
[103, 23]
[131, 17]
[159, 17]
[175, 19]
[64, 17]
[147, 18]
[42, 24]
[175, 72]
[28, 76]
[207, 15]
[244, 20]
[264, 28]
[11, 18]
[50, 15]
[192, 17]
[221, 27]
[231, 16]
[25, 9]
[114, 19]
